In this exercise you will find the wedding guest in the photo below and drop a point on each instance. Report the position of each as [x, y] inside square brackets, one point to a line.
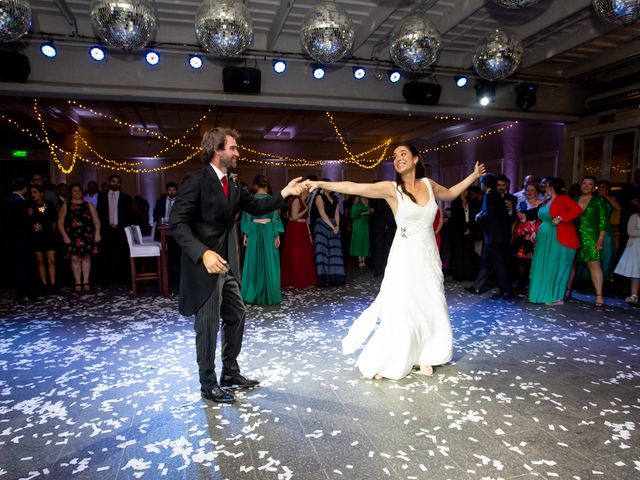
[91, 193]
[592, 228]
[629, 264]
[382, 229]
[80, 229]
[463, 261]
[326, 240]
[360, 213]
[164, 204]
[609, 246]
[525, 233]
[297, 266]
[44, 221]
[555, 246]
[629, 199]
[261, 237]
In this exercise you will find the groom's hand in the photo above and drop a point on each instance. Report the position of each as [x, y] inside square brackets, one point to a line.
[294, 187]
[214, 263]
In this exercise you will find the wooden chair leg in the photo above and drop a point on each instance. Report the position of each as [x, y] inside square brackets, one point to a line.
[160, 274]
[134, 286]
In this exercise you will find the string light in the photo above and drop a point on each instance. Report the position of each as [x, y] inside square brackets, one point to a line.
[469, 139]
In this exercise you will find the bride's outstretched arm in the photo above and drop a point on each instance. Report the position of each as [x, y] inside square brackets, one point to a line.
[449, 194]
[370, 190]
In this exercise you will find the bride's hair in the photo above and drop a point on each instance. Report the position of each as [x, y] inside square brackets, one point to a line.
[420, 171]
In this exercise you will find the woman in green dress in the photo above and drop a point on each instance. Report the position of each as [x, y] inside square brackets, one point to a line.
[261, 270]
[360, 213]
[555, 246]
[593, 225]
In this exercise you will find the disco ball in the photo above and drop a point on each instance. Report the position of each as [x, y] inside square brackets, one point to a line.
[327, 33]
[512, 4]
[414, 43]
[15, 19]
[497, 55]
[224, 27]
[621, 12]
[126, 24]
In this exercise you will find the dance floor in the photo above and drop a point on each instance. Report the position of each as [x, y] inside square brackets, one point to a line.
[104, 386]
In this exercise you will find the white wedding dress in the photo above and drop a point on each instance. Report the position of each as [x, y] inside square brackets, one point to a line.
[408, 322]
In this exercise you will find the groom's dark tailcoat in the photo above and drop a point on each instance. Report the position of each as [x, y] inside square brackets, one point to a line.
[202, 219]
[496, 237]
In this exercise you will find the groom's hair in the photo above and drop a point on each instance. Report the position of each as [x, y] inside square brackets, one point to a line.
[215, 139]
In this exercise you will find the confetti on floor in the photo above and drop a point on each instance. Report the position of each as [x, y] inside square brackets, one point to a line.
[104, 386]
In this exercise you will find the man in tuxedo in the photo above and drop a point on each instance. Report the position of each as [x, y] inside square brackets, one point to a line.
[115, 210]
[165, 203]
[19, 232]
[201, 221]
[382, 229]
[496, 237]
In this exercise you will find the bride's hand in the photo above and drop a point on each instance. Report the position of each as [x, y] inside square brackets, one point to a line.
[479, 170]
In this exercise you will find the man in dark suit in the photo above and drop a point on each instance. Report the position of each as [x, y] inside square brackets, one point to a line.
[115, 210]
[382, 229]
[19, 231]
[201, 221]
[165, 203]
[495, 222]
[161, 213]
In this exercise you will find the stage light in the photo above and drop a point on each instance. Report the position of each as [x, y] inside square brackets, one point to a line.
[485, 92]
[279, 66]
[526, 95]
[98, 54]
[461, 81]
[394, 76]
[318, 72]
[359, 73]
[152, 57]
[49, 50]
[196, 62]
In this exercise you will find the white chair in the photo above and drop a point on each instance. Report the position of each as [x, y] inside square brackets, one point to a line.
[138, 249]
[145, 240]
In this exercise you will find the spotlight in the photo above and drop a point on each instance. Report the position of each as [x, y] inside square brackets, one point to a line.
[461, 81]
[485, 92]
[98, 54]
[394, 76]
[49, 50]
[195, 62]
[152, 57]
[359, 73]
[526, 95]
[318, 72]
[279, 66]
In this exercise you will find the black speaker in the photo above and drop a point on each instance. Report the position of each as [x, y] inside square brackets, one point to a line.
[241, 80]
[421, 93]
[15, 67]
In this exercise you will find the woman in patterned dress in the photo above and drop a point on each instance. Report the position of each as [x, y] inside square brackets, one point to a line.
[80, 229]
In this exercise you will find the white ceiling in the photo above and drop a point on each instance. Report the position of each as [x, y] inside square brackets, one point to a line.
[558, 35]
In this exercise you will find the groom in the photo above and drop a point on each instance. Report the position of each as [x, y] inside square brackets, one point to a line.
[201, 221]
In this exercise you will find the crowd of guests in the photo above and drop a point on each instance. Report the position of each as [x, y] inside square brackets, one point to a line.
[538, 241]
[543, 238]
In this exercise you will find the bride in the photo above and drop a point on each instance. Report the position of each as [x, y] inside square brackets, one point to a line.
[408, 322]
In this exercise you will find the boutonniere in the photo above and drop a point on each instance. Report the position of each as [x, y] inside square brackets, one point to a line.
[234, 177]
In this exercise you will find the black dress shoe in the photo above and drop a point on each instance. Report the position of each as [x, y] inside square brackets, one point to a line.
[217, 394]
[238, 381]
[472, 290]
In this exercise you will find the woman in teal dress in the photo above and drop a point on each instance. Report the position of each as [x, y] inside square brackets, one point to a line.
[593, 225]
[360, 213]
[609, 247]
[555, 246]
[261, 270]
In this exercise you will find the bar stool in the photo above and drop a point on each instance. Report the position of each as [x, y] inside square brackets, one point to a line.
[137, 249]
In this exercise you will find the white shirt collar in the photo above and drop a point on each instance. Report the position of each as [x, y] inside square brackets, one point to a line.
[218, 171]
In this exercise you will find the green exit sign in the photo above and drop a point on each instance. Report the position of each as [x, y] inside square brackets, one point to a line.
[19, 153]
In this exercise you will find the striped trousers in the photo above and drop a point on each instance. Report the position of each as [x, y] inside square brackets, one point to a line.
[224, 303]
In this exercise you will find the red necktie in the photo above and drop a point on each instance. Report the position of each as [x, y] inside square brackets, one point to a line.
[225, 186]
